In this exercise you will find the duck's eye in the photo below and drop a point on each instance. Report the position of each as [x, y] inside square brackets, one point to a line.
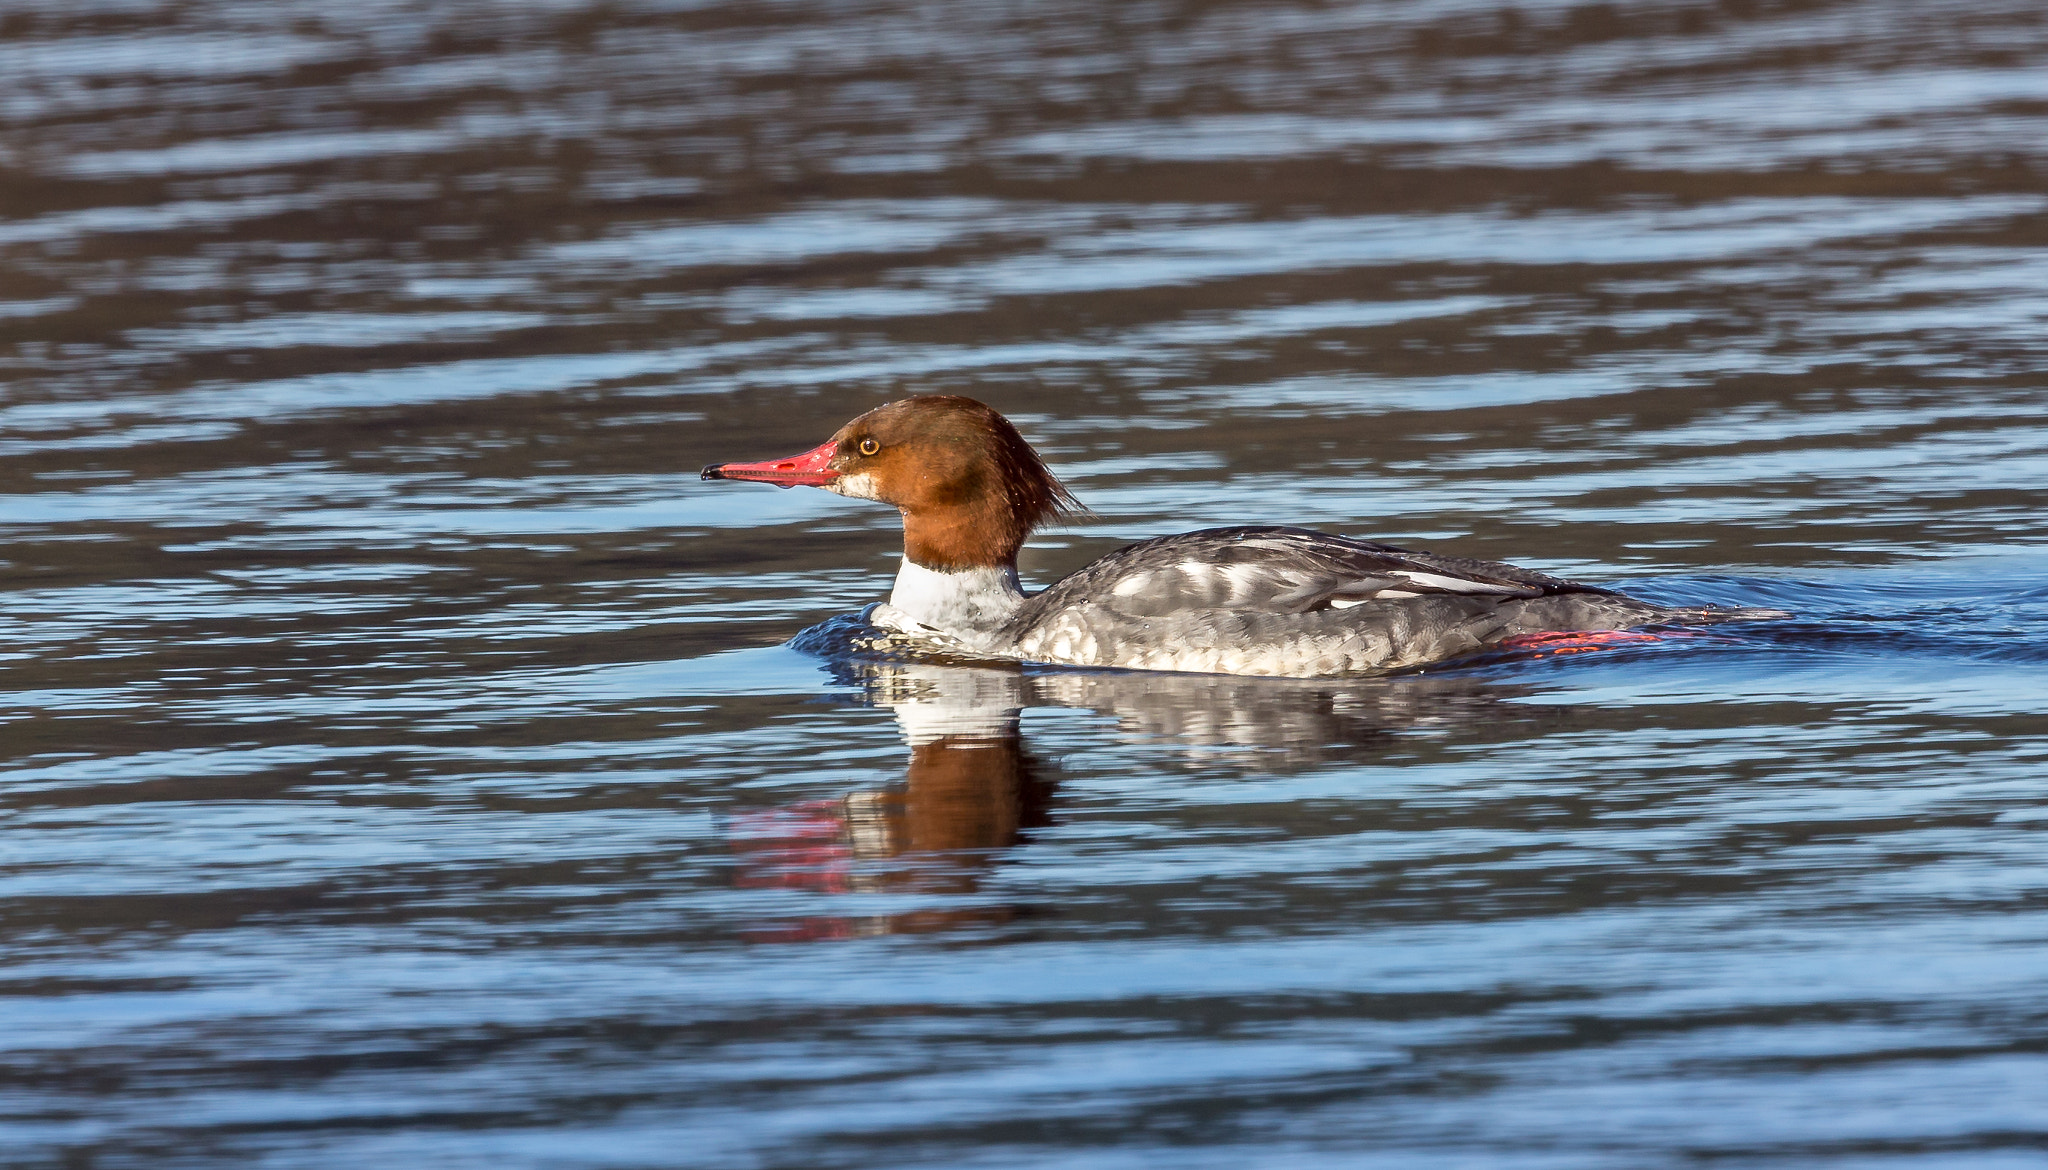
[868, 446]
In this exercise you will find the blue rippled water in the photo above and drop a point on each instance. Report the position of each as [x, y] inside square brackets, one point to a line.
[408, 762]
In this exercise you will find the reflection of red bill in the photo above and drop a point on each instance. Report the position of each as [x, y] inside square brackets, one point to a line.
[801, 846]
[1575, 641]
[801, 930]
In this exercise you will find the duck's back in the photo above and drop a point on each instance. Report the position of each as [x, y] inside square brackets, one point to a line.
[1289, 601]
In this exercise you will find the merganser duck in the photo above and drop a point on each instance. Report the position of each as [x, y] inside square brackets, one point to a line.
[1248, 600]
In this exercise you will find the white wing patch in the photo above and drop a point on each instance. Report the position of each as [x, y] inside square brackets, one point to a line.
[1279, 572]
[1445, 584]
[1271, 544]
[1244, 580]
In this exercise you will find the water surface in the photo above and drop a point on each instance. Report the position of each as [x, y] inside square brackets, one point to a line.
[405, 762]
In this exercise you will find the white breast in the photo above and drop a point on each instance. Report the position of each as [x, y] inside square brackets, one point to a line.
[967, 607]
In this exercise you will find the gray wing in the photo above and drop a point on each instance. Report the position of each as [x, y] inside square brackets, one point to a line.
[1279, 570]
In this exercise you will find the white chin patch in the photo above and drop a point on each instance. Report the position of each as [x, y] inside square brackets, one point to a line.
[861, 486]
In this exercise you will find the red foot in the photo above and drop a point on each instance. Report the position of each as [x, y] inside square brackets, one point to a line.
[1574, 641]
[799, 845]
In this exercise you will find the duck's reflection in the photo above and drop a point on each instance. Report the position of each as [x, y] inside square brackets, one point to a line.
[972, 792]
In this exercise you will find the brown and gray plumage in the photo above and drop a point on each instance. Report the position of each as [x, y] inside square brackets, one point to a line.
[1251, 600]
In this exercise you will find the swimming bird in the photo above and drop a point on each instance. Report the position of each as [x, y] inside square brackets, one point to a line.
[1248, 600]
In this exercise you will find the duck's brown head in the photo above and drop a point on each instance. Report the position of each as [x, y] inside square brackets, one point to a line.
[969, 487]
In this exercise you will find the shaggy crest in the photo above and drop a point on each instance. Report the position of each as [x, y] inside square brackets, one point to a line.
[1036, 496]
